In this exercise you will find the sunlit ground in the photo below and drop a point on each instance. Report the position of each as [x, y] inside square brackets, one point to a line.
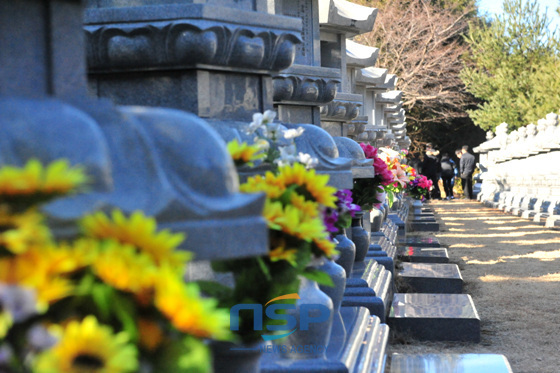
[551, 277]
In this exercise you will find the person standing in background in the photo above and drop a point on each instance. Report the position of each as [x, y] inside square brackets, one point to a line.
[432, 169]
[447, 175]
[467, 165]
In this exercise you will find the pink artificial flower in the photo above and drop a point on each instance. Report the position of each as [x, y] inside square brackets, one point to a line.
[369, 151]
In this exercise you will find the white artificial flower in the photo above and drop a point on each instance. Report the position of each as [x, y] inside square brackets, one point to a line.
[268, 116]
[307, 160]
[263, 144]
[271, 130]
[287, 155]
[293, 133]
[255, 124]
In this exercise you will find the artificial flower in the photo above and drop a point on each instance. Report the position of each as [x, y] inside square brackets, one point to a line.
[56, 179]
[307, 160]
[139, 231]
[123, 267]
[269, 184]
[89, 347]
[182, 304]
[310, 184]
[293, 133]
[245, 154]
[20, 231]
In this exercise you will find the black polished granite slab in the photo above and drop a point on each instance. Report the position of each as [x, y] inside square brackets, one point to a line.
[432, 277]
[435, 317]
[417, 241]
[423, 254]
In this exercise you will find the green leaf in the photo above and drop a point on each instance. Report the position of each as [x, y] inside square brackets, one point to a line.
[125, 311]
[322, 278]
[264, 268]
[215, 289]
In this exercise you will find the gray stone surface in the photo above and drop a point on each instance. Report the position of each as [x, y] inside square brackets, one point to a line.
[432, 277]
[436, 317]
[423, 254]
[439, 363]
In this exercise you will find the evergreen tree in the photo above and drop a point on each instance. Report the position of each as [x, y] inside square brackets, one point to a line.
[513, 67]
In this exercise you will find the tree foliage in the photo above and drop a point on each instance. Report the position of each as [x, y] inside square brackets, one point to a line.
[421, 42]
[513, 66]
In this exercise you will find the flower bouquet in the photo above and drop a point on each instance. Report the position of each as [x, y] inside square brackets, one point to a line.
[419, 187]
[295, 198]
[112, 300]
[366, 190]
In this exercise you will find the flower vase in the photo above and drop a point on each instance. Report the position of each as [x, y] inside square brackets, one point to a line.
[380, 196]
[229, 357]
[336, 292]
[310, 340]
[360, 237]
[417, 207]
[376, 218]
[347, 252]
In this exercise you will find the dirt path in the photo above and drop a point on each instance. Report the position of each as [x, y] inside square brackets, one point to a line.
[511, 268]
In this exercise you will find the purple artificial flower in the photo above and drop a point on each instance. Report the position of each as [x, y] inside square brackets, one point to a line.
[330, 218]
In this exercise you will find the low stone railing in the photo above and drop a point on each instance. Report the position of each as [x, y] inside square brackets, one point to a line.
[520, 172]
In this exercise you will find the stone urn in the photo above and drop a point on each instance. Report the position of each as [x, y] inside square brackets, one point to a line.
[314, 315]
[417, 207]
[360, 237]
[347, 252]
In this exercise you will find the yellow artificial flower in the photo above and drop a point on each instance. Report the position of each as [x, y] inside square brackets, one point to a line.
[269, 184]
[121, 266]
[140, 232]
[294, 222]
[308, 208]
[88, 347]
[57, 178]
[281, 253]
[243, 153]
[327, 247]
[32, 270]
[314, 186]
[182, 304]
[20, 231]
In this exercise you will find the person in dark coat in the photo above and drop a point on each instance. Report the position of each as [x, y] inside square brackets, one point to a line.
[432, 169]
[447, 175]
[467, 165]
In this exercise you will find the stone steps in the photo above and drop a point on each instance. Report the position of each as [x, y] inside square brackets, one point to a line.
[447, 363]
[362, 349]
[370, 285]
[435, 317]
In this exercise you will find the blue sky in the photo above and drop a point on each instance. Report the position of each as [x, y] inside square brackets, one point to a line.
[493, 7]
